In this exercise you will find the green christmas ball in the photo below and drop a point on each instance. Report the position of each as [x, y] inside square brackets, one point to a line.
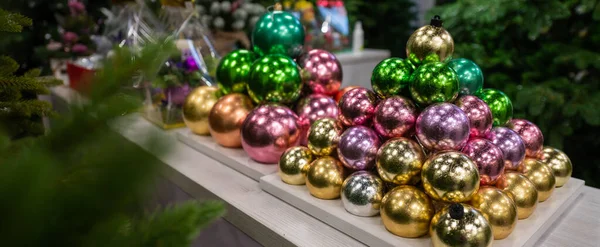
[274, 78]
[470, 77]
[499, 103]
[432, 83]
[278, 32]
[233, 71]
[391, 77]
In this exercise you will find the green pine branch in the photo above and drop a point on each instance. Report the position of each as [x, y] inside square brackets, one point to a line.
[8, 66]
[23, 83]
[26, 108]
[13, 22]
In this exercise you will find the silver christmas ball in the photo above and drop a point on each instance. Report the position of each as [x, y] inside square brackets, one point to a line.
[361, 193]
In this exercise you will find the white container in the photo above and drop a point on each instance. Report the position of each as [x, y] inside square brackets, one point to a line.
[358, 38]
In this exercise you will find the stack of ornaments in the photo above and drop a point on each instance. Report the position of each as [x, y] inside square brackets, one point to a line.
[429, 150]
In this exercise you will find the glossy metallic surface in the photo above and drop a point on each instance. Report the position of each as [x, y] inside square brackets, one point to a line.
[196, 108]
[429, 43]
[406, 211]
[233, 72]
[339, 94]
[391, 77]
[470, 77]
[294, 164]
[560, 164]
[530, 134]
[541, 175]
[274, 78]
[358, 147]
[312, 108]
[450, 176]
[278, 32]
[325, 177]
[498, 208]
[399, 161]
[226, 119]
[433, 83]
[442, 126]
[521, 190]
[268, 131]
[479, 114]
[357, 107]
[395, 117]
[513, 148]
[321, 71]
[472, 229]
[499, 103]
[488, 158]
[361, 193]
[323, 136]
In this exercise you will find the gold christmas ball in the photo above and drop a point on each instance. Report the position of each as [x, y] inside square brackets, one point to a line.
[323, 136]
[430, 43]
[226, 118]
[406, 211]
[540, 175]
[197, 106]
[325, 177]
[560, 164]
[498, 208]
[460, 225]
[399, 160]
[521, 190]
[450, 176]
[294, 164]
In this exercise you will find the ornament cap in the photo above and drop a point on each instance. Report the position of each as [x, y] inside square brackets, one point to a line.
[457, 211]
[436, 21]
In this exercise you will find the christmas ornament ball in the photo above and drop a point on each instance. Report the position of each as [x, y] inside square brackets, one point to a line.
[460, 225]
[268, 131]
[197, 107]
[357, 107]
[430, 43]
[450, 177]
[560, 164]
[442, 126]
[278, 32]
[521, 190]
[470, 77]
[498, 208]
[358, 147]
[321, 71]
[488, 158]
[323, 136]
[391, 77]
[530, 134]
[432, 83]
[406, 211]
[399, 161]
[324, 178]
[274, 78]
[361, 193]
[293, 165]
[394, 117]
[312, 108]
[233, 71]
[479, 114]
[541, 175]
[513, 148]
[499, 103]
[226, 119]
[340, 94]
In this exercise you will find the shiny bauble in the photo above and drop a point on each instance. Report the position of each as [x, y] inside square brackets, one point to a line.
[321, 71]
[499, 103]
[226, 119]
[498, 208]
[325, 177]
[442, 126]
[488, 158]
[560, 164]
[358, 147]
[521, 190]
[278, 32]
[314, 107]
[530, 134]
[391, 77]
[513, 148]
[294, 164]
[450, 177]
[395, 117]
[460, 225]
[340, 94]
[406, 211]
[470, 77]
[274, 78]
[268, 131]
[361, 193]
[233, 71]
[479, 114]
[196, 108]
[541, 175]
[433, 83]
[357, 107]
[430, 43]
[323, 136]
[399, 161]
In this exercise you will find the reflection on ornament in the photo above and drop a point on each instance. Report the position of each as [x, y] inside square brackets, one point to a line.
[541, 175]
[321, 71]
[323, 136]
[284, 88]
[361, 193]
[196, 108]
[560, 164]
[521, 190]
[479, 114]
[399, 161]
[325, 177]
[430, 43]
[278, 32]
[460, 225]
[442, 126]
[358, 147]
[406, 211]
[294, 164]
[450, 176]
[226, 119]
[488, 158]
[391, 77]
[498, 208]
[357, 107]
[433, 83]
[470, 77]
[233, 72]
[395, 117]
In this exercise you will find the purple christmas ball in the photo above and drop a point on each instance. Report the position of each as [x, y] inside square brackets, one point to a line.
[488, 158]
[513, 148]
[394, 117]
[358, 147]
[443, 126]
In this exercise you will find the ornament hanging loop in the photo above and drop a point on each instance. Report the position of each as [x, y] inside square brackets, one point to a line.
[436, 21]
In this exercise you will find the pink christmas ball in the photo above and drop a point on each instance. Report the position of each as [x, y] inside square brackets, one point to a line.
[313, 108]
[394, 117]
[479, 114]
[530, 134]
[357, 107]
[321, 71]
[488, 158]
